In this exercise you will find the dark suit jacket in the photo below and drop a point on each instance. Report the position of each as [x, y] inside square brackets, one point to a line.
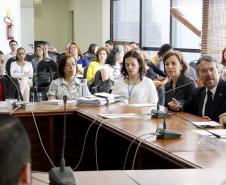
[195, 104]
[10, 91]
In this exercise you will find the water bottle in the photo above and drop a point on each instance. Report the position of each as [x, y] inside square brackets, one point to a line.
[39, 96]
[83, 88]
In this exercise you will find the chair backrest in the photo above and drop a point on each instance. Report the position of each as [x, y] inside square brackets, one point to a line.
[8, 65]
[29, 57]
[46, 72]
[100, 86]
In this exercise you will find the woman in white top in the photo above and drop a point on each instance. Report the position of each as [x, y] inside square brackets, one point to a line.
[23, 71]
[134, 85]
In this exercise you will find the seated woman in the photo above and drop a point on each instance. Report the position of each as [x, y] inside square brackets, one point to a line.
[67, 83]
[39, 56]
[134, 85]
[179, 85]
[23, 71]
[9, 86]
[112, 68]
[95, 65]
[81, 61]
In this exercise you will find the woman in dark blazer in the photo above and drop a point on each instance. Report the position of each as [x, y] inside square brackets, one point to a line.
[179, 87]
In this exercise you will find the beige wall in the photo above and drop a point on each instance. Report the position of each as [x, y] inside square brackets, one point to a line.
[91, 22]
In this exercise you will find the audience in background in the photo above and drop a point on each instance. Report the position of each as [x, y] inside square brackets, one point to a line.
[23, 72]
[39, 56]
[109, 45]
[91, 52]
[13, 47]
[209, 100]
[175, 67]
[134, 85]
[15, 150]
[157, 59]
[9, 86]
[81, 61]
[94, 66]
[112, 67]
[67, 83]
[223, 62]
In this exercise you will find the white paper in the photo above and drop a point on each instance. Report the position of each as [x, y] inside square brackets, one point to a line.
[220, 132]
[207, 123]
[129, 115]
[142, 105]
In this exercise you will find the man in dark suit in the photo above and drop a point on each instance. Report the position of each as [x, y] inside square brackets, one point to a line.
[9, 87]
[210, 100]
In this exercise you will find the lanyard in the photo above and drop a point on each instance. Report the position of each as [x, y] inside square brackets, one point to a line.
[130, 89]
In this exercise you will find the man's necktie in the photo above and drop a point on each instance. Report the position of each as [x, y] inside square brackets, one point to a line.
[209, 103]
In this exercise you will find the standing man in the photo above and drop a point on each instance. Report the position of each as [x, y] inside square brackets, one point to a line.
[13, 47]
[209, 100]
[9, 86]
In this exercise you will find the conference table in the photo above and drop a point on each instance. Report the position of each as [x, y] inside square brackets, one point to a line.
[107, 142]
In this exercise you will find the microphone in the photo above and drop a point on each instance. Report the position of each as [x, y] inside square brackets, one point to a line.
[20, 97]
[156, 113]
[167, 134]
[62, 175]
[198, 126]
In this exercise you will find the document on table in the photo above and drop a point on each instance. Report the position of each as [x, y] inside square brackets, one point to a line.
[220, 132]
[129, 115]
[142, 105]
[207, 124]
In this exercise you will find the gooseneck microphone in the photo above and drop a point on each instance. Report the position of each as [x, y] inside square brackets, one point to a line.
[62, 175]
[198, 126]
[20, 97]
[156, 113]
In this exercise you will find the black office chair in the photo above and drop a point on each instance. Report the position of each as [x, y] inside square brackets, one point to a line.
[46, 72]
[8, 65]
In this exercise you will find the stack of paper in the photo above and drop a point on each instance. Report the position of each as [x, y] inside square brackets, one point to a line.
[99, 100]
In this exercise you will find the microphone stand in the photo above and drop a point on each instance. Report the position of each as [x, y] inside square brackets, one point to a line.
[20, 98]
[167, 134]
[62, 175]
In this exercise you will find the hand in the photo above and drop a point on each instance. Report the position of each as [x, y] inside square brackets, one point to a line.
[222, 119]
[174, 105]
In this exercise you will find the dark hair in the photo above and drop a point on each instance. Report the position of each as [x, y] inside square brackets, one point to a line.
[98, 52]
[62, 62]
[1, 53]
[179, 56]
[78, 48]
[207, 58]
[223, 60]
[13, 41]
[20, 48]
[39, 46]
[15, 149]
[163, 49]
[140, 61]
[45, 43]
[111, 59]
[110, 42]
[91, 49]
